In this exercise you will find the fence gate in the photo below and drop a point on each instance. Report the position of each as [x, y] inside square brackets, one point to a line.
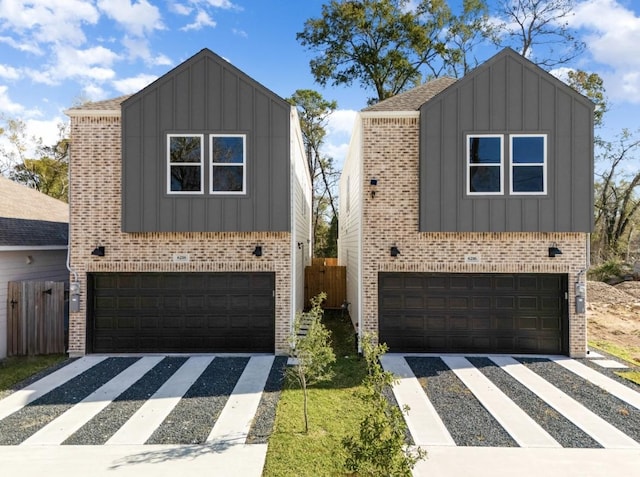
[35, 318]
[323, 277]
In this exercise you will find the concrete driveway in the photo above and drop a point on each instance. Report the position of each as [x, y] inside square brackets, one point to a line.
[526, 416]
[197, 415]
[149, 415]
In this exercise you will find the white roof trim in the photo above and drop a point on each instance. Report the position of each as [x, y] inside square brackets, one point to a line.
[16, 248]
[79, 113]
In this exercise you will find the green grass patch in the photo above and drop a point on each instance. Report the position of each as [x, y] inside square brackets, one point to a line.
[18, 368]
[335, 411]
[633, 376]
[631, 355]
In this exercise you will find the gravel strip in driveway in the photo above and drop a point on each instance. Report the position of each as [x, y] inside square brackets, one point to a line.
[191, 421]
[618, 413]
[611, 372]
[101, 427]
[466, 419]
[560, 428]
[28, 420]
[262, 425]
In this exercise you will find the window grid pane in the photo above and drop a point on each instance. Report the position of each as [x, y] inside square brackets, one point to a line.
[185, 163]
[484, 164]
[228, 156]
[528, 164]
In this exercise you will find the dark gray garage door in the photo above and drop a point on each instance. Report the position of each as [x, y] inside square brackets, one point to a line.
[181, 312]
[479, 313]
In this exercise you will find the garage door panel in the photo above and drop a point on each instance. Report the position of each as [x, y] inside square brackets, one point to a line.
[412, 322]
[481, 303]
[457, 323]
[182, 312]
[149, 322]
[506, 313]
[504, 323]
[459, 303]
[505, 303]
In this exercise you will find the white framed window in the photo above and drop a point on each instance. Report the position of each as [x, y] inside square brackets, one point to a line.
[484, 164]
[227, 173]
[528, 164]
[185, 162]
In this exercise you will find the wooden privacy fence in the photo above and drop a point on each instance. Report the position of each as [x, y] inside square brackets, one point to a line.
[35, 318]
[322, 277]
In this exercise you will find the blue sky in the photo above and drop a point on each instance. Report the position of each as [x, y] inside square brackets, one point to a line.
[56, 52]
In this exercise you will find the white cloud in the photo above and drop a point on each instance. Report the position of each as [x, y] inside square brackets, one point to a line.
[48, 21]
[9, 72]
[180, 8]
[48, 131]
[137, 18]
[6, 103]
[339, 128]
[224, 4]
[240, 33]
[612, 34]
[341, 121]
[133, 84]
[202, 20]
[93, 92]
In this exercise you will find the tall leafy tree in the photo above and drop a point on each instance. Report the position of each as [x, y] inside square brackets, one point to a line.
[592, 86]
[382, 45]
[617, 203]
[47, 170]
[314, 112]
[467, 31]
[540, 30]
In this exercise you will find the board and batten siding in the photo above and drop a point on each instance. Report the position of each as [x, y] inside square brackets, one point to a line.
[301, 213]
[46, 265]
[507, 95]
[205, 95]
[352, 183]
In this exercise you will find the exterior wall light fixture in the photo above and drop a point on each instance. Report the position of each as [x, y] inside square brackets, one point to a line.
[554, 250]
[373, 183]
[394, 251]
[257, 251]
[98, 251]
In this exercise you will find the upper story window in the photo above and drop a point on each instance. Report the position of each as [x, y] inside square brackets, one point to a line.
[226, 159]
[528, 164]
[228, 164]
[484, 161]
[526, 172]
[185, 163]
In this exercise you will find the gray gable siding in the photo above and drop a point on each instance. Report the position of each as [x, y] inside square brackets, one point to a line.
[205, 95]
[507, 95]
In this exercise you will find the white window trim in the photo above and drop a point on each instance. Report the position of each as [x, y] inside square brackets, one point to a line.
[469, 166]
[544, 164]
[244, 165]
[201, 164]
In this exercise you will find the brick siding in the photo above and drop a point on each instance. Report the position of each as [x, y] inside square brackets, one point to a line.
[390, 154]
[95, 202]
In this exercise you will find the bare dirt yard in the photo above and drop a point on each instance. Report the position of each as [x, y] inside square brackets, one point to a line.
[613, 313]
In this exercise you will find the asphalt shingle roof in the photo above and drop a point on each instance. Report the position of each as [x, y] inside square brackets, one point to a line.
[112, 104]
[31, 218]
[412, 99]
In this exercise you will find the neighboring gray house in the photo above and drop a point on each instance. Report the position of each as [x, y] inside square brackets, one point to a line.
[191, 216]
[456, 199]
[33, 241]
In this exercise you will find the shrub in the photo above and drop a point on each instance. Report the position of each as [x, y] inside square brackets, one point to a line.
[380, 448]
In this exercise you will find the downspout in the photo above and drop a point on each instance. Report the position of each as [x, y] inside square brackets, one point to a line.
[71, 270]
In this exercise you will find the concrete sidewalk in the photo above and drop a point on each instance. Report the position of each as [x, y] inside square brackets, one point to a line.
[527, 462]
[134, 461]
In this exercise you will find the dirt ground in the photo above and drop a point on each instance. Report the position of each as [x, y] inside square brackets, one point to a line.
[613, 313]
